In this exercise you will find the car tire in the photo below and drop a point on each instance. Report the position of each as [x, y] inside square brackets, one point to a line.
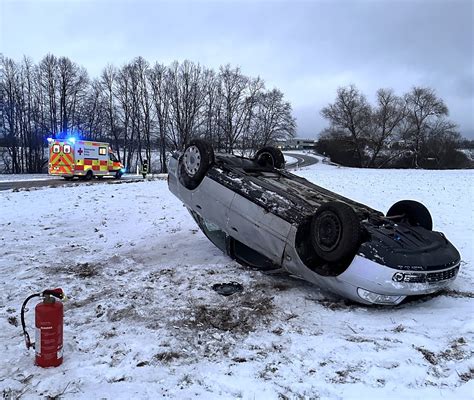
[335, 232]
[270, 157]
[89, 175]
[196, 160]
[118, 174]
[413, 212]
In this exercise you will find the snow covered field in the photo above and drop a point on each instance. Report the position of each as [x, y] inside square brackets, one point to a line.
[143, 322]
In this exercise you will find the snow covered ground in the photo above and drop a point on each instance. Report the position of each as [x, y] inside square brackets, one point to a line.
[143, 322]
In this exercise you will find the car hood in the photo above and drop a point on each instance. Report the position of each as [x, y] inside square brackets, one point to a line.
[406, 247]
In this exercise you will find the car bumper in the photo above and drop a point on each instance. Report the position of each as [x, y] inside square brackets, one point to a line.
[368, 282]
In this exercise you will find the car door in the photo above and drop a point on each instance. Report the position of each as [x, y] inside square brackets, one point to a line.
[257, 228]
[212, 201]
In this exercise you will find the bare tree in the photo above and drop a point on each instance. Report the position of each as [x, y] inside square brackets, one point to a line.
[350, 113]
[238, 98]
[144, 119]
[386, 122]
[274, 118]
[423, 109]
[161, 100]
[212, 109]
[109, 92]
[49, 84]
[72, 82]
[187, 96]
[123, 89]
[136, 107]
[414, 125]
[440, 147]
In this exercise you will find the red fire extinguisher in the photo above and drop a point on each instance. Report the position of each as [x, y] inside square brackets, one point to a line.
[49, 328]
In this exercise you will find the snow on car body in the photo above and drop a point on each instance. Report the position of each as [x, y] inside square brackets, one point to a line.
[69, 158]
[269, 218]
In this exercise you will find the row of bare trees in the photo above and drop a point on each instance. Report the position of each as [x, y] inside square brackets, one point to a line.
[139, 108]
[413, 128]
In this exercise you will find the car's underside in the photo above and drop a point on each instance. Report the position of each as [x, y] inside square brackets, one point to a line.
[309, 231]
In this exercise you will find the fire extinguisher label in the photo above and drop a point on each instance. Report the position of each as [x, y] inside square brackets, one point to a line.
[38, 341]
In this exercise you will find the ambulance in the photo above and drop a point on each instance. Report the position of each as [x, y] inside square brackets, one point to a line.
[85, 159]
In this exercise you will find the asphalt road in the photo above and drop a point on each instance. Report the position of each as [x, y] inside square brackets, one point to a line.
[60, 182]
[303, 160]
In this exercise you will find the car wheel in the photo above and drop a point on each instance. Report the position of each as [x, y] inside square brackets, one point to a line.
[197, 157]
[270, 157]
[412, 212]
[89, 175]
[335, 232]
[118, 174]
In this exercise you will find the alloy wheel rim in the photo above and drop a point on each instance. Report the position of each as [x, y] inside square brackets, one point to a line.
[192, 160]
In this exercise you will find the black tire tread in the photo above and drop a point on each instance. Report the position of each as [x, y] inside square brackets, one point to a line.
[276, 154]
[416, 213]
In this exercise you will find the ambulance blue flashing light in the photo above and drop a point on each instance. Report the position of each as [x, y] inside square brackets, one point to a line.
[123, 170]
[71, 140]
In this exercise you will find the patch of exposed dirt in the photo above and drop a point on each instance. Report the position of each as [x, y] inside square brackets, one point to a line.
[336, 305]
[238, 313]
[346, 375]
[458, 293]
[167, 356]
[241, 317]
[467, 376]
[456, 351]
[428, 355]
[80, 270]
[85, 270]
[128, 313]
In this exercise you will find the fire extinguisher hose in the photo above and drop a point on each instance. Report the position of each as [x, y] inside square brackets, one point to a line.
[25, 333]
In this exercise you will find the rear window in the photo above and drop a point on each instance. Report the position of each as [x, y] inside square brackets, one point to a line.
[56, 148]
[67, 149]
[248, 256]
[213, 233]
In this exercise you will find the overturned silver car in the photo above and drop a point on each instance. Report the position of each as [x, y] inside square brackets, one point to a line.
[265, 217]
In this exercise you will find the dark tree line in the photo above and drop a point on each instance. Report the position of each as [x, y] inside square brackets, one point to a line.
[139, 108]
[412, 130]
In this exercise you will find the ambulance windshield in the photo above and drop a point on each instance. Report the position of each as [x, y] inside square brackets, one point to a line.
[112, 157]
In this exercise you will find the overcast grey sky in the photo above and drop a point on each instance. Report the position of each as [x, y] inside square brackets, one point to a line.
[305, 48]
